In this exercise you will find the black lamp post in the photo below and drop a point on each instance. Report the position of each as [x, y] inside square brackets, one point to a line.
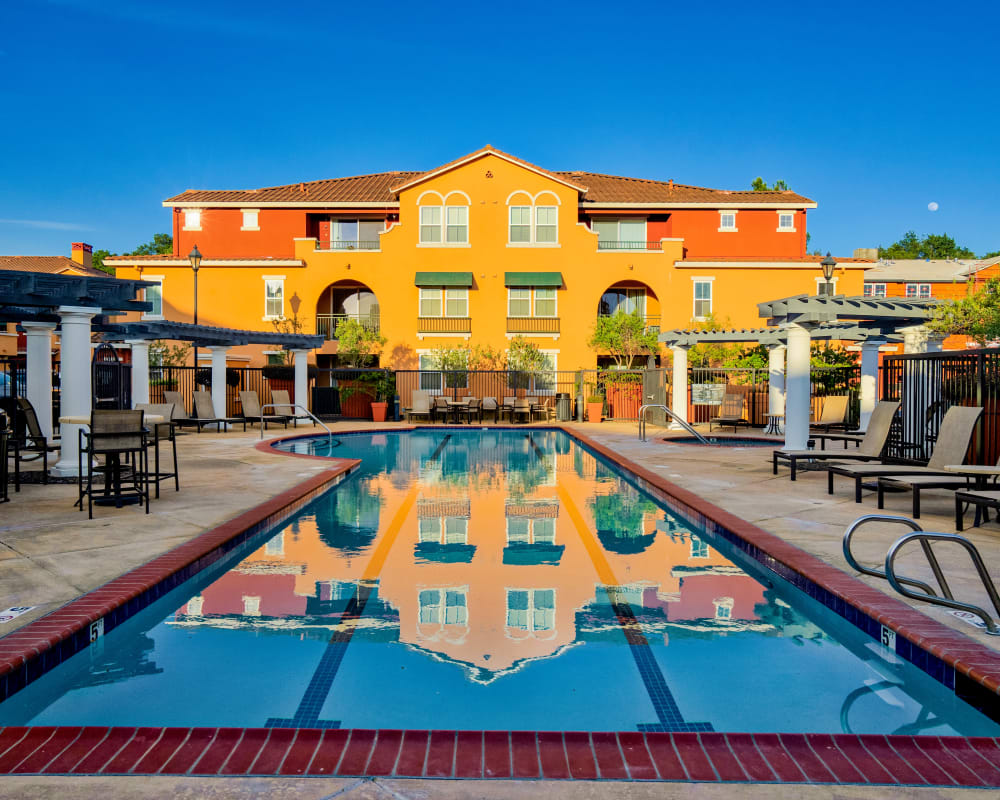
[195, 258]
[828, 264]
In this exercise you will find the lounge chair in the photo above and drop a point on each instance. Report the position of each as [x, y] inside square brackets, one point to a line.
[730, 412]
[206, 413]
[978, 498]
[872, 444]
[834, 414]
[953, 442]
[914, 483]
[283, 407]
[33, 441]
[180, 417]
[252, 412]
[420, 406]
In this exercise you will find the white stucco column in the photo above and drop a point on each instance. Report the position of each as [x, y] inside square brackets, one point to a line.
[219, 381]
[140, 370]
[75, 388]
[39, 378]
[935, 342]
[301, 378]
[797, 388]
[869, 379]
[914, 339]
[679, 390]
[776, 379]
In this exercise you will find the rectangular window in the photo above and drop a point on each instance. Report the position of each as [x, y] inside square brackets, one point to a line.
[456, 302]
[250, 217]
[545, 530]
[545, 224]
[430, 380]
[275, 546]
[702, 299]
[430, 303]
[456, 530]
[455, 608]
[520, 223]
[430, 224]
[429, 529]
[430, 606]
[192, 220]
[632, 233]
[607, 231]
[786, 222]
[274, 298]
[699, 549]
[344, 230]
[519, 303]
[154, 295]
[545, 302]
[517, 609]
[458, 224]
[518, 530]
[874, 290]
[918, 290]
[544, 608]
[727, 220]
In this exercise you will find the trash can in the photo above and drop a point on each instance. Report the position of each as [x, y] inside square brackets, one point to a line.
[563, 411]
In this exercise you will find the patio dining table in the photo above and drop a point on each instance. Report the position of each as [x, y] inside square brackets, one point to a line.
[456, 406]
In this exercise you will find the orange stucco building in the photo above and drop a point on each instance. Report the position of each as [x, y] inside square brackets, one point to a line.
[478, 251]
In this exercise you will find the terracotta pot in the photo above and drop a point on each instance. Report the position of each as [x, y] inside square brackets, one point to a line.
[379, 411]
[594, 411]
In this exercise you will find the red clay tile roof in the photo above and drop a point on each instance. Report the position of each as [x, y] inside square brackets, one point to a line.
[802, 259]
[618, 189]
[356, 189]
[50, 264]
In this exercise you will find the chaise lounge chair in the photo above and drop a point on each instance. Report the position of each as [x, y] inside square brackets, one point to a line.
[834, 414]
[953, 442]
[206, 413]
[978, 498]
[730, 412]
[420, 405]
[872, 444]
[283, 407]
[252, 412]
[914, 483]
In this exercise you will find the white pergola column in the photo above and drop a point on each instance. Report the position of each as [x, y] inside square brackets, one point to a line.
[679, 393]
[140, 370]
[914, 339]
[935, 342]
[869, 379]
[301, 396]
[219, 381]
[39, 377]
[776, 379]
[797, 388]
[75, 387]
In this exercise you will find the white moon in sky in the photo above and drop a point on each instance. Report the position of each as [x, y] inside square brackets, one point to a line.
[932, 206]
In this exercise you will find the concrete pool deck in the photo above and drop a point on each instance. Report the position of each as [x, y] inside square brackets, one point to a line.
[50, 545]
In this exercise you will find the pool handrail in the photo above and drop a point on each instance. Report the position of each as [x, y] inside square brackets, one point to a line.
[683, 423]
[309, 413]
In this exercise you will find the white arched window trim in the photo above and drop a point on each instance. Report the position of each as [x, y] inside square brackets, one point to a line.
[521, 199]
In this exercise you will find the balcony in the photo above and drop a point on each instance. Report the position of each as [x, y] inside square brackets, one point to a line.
[444, 325]
[532, 324]
[326, 324]
[621, 245]
[348, 245]
[652, 322]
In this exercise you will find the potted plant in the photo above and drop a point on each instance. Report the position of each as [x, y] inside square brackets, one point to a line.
[383, 385]
[595, 407]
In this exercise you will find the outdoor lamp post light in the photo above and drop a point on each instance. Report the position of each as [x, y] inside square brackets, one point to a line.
[195, 258]
[828, 264]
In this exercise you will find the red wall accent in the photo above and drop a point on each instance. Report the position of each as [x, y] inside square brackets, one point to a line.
[756, 234]
[220, 235]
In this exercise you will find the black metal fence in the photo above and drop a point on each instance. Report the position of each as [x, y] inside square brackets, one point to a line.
[928, 384]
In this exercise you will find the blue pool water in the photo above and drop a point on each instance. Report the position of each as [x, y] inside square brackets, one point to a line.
[489, 579]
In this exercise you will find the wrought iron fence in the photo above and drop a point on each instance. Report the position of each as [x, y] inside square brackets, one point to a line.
[928, 384]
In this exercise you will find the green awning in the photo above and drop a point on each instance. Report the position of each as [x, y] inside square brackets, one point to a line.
[532, 279]
[443, 279]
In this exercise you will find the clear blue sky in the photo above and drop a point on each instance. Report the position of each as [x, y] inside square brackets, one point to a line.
[873, 110]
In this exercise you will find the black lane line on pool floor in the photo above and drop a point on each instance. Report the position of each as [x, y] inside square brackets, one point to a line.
[437, 452]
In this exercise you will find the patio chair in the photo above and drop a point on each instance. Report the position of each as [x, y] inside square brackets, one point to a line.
[472, 409]
[508, 407]
[164, 431]
[730, 412]
[870, 449]
[979, 498]
[252, 412]
[120, 438]
[440, 407]
[953, 442]
[490, 406]
[521, 406]
[32, 441]
[206, 413]
[834, 413]
[420, 406]
[283, 407]
[914, 483]
[180, 417]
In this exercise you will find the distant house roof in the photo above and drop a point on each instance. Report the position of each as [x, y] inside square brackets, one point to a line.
[53, 265]
[927, 271]
[382, 189]
[803, 262]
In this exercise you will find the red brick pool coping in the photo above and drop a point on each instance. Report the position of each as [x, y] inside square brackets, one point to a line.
[639, 756]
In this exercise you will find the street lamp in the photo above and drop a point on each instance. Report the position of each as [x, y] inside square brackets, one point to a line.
[195, 258]
[828, 264]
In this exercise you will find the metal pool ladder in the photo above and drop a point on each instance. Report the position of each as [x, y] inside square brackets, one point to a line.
[314, 418]
[681, 422]
[926, 593]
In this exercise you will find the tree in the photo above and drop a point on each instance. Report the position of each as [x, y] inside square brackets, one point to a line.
[623, 336]
[524, 356]
[358, 345]
[760, 185]
[933, 245]
[161, 245]
[164, 354]
[977, 315]
[486, 357]
[991, 254]
[97, 261]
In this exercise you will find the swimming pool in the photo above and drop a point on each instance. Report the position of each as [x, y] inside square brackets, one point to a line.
[489, 579]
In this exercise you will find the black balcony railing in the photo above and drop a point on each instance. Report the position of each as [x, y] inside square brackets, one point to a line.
[326, 324]
[332, 245]
[622, 245]
[532, 324]
[444, 325]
